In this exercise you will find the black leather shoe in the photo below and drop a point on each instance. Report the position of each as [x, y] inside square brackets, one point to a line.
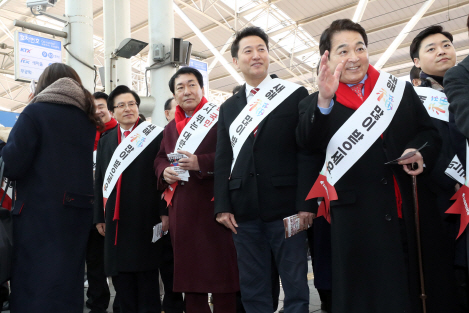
[6, 306]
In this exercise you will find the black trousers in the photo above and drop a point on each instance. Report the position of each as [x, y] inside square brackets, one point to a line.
[98, 290]
[173, 302]
[139, 292]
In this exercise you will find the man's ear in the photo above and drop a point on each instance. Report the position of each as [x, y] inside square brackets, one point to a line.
[235, 62]
[417, 62]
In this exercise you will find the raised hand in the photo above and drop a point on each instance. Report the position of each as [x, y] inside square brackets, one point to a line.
[328, 82]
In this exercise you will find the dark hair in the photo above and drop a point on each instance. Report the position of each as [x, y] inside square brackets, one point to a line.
[142, 117]
[414, 73]
[119, 90]
[100, 95]
[467, 22]
[237, 88]
[56, 71]
[186, 70]
[246, 32]
[432, 30]
[336, 27]
[167, 104]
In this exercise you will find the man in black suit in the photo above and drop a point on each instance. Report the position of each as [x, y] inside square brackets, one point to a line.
[374, 252]
[127, 218]
[456, 81]
[261, 190]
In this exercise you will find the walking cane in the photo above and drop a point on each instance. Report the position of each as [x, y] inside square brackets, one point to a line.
[423, 296]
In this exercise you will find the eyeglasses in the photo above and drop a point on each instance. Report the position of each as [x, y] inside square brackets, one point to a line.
[122, 105]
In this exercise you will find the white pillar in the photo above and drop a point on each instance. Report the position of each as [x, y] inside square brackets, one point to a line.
[109, 44]
[80, 13]
[122, 31]
[161, 26]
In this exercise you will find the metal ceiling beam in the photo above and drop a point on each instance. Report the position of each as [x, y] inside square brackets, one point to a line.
[403, 34]
[357, 16]
[209, 45]
[427, 14]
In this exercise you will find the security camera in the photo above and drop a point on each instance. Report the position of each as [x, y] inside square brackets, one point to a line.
[43, 3]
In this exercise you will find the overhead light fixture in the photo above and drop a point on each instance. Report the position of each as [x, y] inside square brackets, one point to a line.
[130, 47]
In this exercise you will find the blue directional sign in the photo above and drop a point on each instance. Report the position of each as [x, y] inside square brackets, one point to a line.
[203, 69]
[8, 119]
[33, 54]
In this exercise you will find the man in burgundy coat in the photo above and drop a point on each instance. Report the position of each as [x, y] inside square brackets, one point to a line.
[204, 253]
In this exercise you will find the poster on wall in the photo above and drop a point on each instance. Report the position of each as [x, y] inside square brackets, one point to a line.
[33, 54]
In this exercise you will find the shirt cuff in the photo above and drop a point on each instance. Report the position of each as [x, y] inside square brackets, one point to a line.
[326, 111]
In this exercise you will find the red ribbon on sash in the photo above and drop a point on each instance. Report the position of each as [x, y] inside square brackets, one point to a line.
[461, 207]
[322, 189]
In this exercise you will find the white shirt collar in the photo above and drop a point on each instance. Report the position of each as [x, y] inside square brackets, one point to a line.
[123, 130]
[249, 87]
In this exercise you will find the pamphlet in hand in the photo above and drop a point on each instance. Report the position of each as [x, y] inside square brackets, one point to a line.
[158, 232]
[292, 225]
[174, 160]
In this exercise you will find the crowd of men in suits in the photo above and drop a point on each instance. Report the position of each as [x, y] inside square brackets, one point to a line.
[222, 179]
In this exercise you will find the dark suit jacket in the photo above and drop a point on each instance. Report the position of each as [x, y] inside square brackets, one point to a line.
[368, 258]
[139, 209]
[456, 82]
[265, 178]
[49, 154]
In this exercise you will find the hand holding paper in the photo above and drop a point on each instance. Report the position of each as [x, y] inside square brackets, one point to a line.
[189, 163]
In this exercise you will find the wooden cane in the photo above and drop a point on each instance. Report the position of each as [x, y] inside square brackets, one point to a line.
[423, 296]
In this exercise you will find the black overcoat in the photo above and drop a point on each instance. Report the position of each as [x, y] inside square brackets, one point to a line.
[50, 155]
[139, 210]
[264, 181]
[374, 258]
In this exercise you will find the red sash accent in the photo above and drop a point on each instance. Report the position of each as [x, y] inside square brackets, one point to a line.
[119, 183]
[461, 206]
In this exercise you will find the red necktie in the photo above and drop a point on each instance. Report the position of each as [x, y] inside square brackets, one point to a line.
[357, 89]
[253, 92]
[126, 133]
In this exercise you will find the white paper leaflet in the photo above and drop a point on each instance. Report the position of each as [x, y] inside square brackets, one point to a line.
[158, 232]
[292, 225]
[435, 102]
[270, 96]
[127, 151]
[194, 133]
[174, 160]
[456, 171]
[362, 129]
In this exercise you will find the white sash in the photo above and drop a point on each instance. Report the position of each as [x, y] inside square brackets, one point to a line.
[456, 171]
[127, 151]
[270, 96]
[362, 129]
[435, 102]
[197, 128]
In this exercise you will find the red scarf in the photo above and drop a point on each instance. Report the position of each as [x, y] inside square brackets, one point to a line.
[107, 126]
[346, 96]
[180, 116]
[119, 183]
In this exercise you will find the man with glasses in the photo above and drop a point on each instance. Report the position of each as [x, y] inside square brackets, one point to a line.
[126, 207]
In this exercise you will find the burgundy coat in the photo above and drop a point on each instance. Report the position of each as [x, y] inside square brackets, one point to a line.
[204, 252]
